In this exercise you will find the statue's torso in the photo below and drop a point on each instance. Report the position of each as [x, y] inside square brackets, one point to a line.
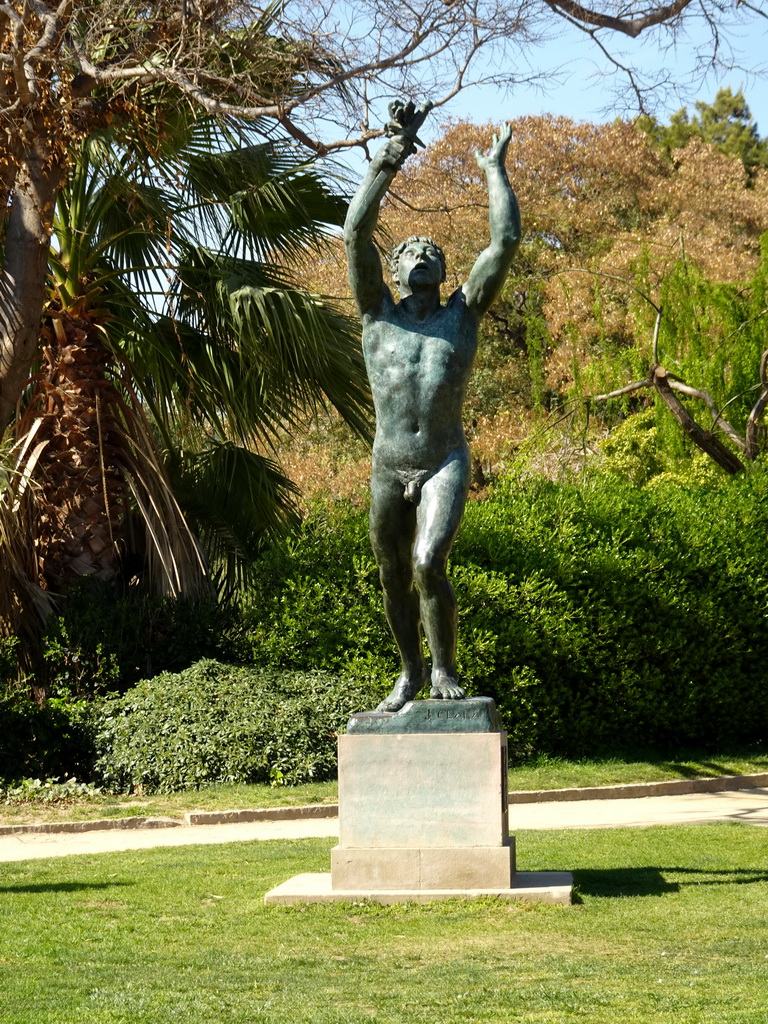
[418, 373]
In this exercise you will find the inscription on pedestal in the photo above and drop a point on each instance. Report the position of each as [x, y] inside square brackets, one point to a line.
[474, 714]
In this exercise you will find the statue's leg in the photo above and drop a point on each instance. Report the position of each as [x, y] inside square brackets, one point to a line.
[392, 528]
[443, 498]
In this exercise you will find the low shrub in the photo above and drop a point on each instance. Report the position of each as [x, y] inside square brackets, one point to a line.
[103, 639]
[49, 791]
[603, 617]
[107, 637]
[224, 723]
[315, 602]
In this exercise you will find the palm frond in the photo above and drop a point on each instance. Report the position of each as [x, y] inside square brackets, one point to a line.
[236, 501]
[261, 201]
[24, 605]
[178, 251]
[174, 553]
[269, 353]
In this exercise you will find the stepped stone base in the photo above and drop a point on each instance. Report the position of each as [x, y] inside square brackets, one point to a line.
[529, 887]
[474, 867]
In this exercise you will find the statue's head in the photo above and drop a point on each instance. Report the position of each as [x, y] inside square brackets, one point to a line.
[416, 248]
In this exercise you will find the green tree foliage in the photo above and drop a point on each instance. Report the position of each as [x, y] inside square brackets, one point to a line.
[43, 742]
[714, 334]
[710, 339]
[71, 68]
[726, 123]
[239, 351]
[606, 217]
[176, 347]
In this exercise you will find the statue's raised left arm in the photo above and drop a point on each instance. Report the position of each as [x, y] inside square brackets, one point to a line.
[492, 265]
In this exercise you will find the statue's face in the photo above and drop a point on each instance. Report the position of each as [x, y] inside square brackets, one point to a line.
[419, 267]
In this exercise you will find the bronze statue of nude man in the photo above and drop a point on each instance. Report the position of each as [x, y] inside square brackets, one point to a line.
[418, 354]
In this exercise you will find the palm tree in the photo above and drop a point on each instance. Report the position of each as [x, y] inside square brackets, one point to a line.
[176, 346]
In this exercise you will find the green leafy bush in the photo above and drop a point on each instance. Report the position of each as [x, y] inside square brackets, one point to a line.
[223, 723]
[315, 602]
[104, 639]
[107, 637]
[44, 742]
[604, 617]
[9, 646]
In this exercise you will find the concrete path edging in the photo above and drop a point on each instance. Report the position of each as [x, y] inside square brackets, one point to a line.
[747, 807]
[191, 818]
[673, 787]
[626, 791]
[97, 825]
[262, 814]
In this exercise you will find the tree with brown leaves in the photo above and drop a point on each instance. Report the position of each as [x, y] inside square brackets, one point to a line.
[67, 69]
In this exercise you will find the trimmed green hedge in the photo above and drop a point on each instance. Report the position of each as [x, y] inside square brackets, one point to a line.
[601, 617]
[623, 618]
[223, 723]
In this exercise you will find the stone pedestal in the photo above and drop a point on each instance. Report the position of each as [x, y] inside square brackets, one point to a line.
[423, 812]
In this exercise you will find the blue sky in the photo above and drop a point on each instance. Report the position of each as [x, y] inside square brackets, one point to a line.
[576, 89]
[578, 92]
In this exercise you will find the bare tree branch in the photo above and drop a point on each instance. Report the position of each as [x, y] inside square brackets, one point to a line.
[55, 24]
[616, 277]
[752, 432]
[718, 419]
[628, 389]
[628, 26]
[751, 7]
[623, 68]
[703, 439]
[656, 330]
[665, 384]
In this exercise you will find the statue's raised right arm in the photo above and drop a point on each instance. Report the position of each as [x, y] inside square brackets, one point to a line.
[365, 274]
[488, 274]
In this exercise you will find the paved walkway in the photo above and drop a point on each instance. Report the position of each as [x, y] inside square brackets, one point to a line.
[744, 805]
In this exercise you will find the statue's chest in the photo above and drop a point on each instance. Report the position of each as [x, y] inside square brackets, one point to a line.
[441, 348]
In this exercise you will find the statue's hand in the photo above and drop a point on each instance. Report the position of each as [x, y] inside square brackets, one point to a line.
[496, 155]
[393, 153]
[405, 120]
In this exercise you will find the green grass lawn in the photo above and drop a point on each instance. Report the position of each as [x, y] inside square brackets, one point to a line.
[555, 773]
[671, 928]
[544, 773]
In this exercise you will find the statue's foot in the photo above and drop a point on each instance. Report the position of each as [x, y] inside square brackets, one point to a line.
[405, 689]
[445, 687]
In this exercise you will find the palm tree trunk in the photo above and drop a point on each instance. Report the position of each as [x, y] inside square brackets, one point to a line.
[82, 493]
[23, 277]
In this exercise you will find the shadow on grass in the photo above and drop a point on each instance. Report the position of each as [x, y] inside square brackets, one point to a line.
[49, 887]
[652, 881]
[701, 770]
[623, 882]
